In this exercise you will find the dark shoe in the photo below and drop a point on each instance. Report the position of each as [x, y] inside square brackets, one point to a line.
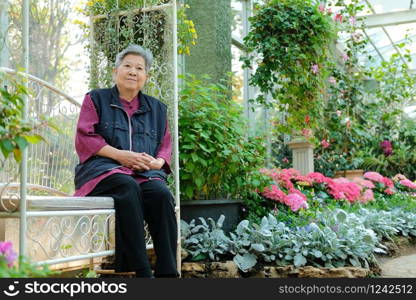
[144, 274]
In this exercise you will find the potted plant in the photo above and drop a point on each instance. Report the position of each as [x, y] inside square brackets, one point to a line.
[218, 162]
[291, 43]
[116, 24]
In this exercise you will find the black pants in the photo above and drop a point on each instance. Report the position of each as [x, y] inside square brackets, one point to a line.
[152, 202]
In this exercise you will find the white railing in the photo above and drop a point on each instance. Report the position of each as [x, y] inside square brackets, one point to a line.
[60, 228]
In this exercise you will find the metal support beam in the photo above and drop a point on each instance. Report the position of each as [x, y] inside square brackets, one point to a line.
[247, 93]
[176, 128]
[23, 165]
[4, 24]
[391, 18]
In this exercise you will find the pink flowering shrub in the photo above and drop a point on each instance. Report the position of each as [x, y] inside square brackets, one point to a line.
[290, 187]
[374, 176]
[401, 182]
[284, 179]
[342, 188]
[382, 184]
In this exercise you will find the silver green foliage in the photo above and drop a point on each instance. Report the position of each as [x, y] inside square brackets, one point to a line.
[203, 241]
[335, 239]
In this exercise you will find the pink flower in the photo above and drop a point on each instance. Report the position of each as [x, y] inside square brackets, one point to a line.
[388, 182]
[389, 191]
[338, 18]
[315, 69]
[296, 202]
[285, 160]
[339, 113]
[353, 20]
[307, 133]
[329, 11]
[321, 7]
[274, 193]
[303, 180]
[341, 180]
[332, 80]
[374, 176]
[324, 144]
[317, 177]
[342, 188]
[364, 183]
[345, 57]
[408, 183]
[6, 251]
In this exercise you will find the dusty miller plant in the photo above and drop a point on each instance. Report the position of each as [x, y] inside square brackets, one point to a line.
[205, 241]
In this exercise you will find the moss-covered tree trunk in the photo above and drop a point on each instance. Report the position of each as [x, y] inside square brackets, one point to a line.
[212, 54]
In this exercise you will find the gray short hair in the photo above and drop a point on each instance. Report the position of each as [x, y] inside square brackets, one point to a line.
[137, 50]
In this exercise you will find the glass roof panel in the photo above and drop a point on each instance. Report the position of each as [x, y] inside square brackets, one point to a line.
[397, 34]
[386, 6]
[237, 15]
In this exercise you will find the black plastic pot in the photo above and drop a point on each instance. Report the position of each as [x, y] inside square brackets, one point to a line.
[231, 209]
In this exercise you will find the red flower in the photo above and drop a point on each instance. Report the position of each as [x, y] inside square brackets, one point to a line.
[338, 17]
[387, 147]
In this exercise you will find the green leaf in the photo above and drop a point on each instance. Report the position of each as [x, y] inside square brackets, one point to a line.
[258, 247]
[21, 142]
[6, 147]
[341, 216]
[317, 253]
[17, 154]
[245, 262]
[194, 156]
[199, 182]
[299, 260]
[34, 138]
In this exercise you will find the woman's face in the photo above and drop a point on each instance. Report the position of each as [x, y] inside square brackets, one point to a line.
[131, 74]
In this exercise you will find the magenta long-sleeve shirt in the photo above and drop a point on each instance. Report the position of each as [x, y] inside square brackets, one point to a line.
[88, 143]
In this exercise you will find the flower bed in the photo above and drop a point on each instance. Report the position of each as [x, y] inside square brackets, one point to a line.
[292, 189]
[318, 222]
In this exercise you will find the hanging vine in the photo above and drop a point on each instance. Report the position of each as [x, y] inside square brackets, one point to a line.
[289, 47]
[116, 24]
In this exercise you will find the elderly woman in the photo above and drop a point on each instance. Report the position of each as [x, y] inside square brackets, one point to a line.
[124, 147]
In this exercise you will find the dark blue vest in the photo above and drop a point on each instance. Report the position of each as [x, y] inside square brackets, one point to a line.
[142, 132]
